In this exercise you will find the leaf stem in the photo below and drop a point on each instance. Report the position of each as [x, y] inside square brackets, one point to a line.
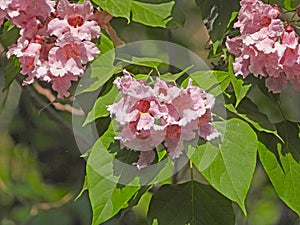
[191, 169]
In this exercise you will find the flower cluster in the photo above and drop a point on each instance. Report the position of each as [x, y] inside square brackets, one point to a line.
[55, 41]
[267, 46]
[163, 113]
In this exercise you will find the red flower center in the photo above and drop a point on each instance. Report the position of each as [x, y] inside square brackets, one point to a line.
[142, 105]
[265, 21]
[75, 20]
[173, 132]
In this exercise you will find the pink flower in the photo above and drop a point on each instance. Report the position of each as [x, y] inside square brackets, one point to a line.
[62, 84]
[192, 103]
[22, 11]
[70, 54]
[265, 48]
[255, 15]
[3, 9]
[74, 19]
[58, 60]
[138, 111]
[175, 136]
[164, 113]
[4, 4]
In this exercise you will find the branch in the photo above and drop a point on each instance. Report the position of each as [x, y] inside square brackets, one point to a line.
[103, 19]
[59, 106]
[47, 206]
[53, 114]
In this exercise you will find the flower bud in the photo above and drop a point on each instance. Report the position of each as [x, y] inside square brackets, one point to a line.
[289, 28]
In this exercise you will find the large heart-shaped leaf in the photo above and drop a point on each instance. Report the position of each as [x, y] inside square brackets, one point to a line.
[229, 167]
[106, 196]
[190, 203]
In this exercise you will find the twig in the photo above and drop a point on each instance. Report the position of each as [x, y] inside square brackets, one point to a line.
[47, 206]
[57, 105]
[52, 114]
[103, 19]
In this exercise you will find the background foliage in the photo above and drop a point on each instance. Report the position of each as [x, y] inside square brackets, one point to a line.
[41, 171]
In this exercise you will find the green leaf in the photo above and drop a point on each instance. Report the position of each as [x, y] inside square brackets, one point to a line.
[155, 15]
[266, 104]
[117, 8]
[101, 69]
[216, 14]
[100, 107]
[170, 77]
[285, 179]
[11, 70]
[9, 37]
[145, 61]
[178, 18]
[207, 79]
[232, 18]
[255, 124]
[155, 222]
[229, 167]
[84, 188]
[288, 4]
[216, 91]
[213, 81]
[192, 203]
[106, 197]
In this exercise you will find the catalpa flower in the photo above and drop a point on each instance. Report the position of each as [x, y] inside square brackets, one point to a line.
[58, 59]
[162, 114]
[267, 47]
[22, 11]
[69, 55]
[74, 19]
[3, 9]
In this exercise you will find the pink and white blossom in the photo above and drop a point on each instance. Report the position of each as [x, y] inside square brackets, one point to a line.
[266, 47]
[74, 19]
[48, 50]
[164, 113]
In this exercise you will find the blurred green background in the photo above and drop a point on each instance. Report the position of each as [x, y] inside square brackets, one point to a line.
[41, 171]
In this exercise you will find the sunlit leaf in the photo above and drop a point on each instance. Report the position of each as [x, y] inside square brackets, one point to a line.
[100, 107]
[207, 79]
[117, 8]
[285, 178]
[155, 15]
[229, 167]
[101, 69]
[170, 77]
[144, 61]
[106, 197]
[213, 81]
